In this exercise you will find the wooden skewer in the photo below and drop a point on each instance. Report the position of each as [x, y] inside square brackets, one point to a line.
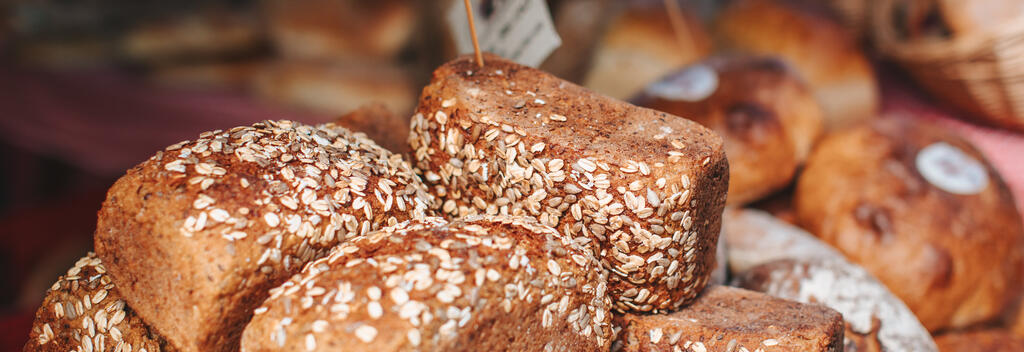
[675, 15]
[472, 32]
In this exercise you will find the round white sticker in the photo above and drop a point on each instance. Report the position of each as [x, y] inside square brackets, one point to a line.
[694, 83]
[949, 168]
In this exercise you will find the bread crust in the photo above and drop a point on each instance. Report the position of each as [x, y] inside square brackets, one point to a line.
[990, 340]
[763, 110]
[960, 254]
[733, 319]
[647, 187]
[381, 125]
[196, 235]
[83, 311]
[427, 285]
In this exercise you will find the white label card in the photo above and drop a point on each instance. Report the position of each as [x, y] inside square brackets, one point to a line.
[519, 30]
[949, 168]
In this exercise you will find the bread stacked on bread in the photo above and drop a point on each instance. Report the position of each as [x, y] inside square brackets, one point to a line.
[475, 283]
[764, 111]
[770, 256]
[893, 192]
[646, 187]
[84, 311]
[805, 35]
[196, 235]
[732, 319]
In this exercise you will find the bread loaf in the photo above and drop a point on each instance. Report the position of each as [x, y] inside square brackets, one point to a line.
[641, 46]
[647, 187]
[765, 113]
[340, 29]
[732, 319]
[477, 283]
[196, 235]
[771, 256]
[84, 311]
[897, 192]
[381, 125]
[807, 35]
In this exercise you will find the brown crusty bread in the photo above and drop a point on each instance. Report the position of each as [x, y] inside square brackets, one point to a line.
[340, 29]
[764, 111]
[808, 36]
[733, 319]
[646, 186]
[196, 235]
[774, 257]
[380, 124]
[960, 255]
[84, 311]
[477, 283]
[986, 340]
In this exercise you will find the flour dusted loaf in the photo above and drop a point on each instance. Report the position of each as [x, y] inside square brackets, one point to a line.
[763, 110]
[771, 256]
[477, 283]
[196, 235]
[733, 319]
[808, 36]
[647, 187]
[84, 311]
[899, 193]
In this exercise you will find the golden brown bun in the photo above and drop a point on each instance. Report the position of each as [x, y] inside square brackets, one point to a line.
[639, 47]
[766, 114]
[991, 340]
[733, 319]
[84, 311]
[816, 45]
[955, 259]
[647, 187]
[199, 35]
[336, 88]
[196, 235]
[381, 125]
[333, 29]
[477, 283]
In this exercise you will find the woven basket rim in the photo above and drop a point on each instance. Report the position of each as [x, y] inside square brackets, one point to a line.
[944, 49]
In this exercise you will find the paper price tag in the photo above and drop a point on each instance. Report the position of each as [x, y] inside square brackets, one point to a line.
[695, 83]
[519, 30]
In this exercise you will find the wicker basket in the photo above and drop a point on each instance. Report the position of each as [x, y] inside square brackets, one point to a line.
[982, 73]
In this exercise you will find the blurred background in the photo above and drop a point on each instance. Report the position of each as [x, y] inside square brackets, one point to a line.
[90, 88]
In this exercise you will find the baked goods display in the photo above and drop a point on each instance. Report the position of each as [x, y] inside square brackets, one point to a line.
[893, 192]
[733, 319]
[474, 283]
[235, 213]
[771, 256]
[84, 311]
[805, 35]
[766, 114]
[641, 46]
[646, 187]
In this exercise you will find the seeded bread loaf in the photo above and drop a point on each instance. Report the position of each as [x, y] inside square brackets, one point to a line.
[990, 340]
[764, 111]
[477, 283]
[895, 192]
[196, 235]
[733, 319]
[771, 256]
[84, 311]
[647, 187]
[810, 37]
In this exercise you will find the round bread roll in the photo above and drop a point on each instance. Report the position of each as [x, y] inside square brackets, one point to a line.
[646, 187]
[196, 235]
[990, 340]
[915, 197]
[476, 283]
[641, 46]
[84, 311]
[805, 35]
[771, 256]
[764, 112]
[339, 29]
